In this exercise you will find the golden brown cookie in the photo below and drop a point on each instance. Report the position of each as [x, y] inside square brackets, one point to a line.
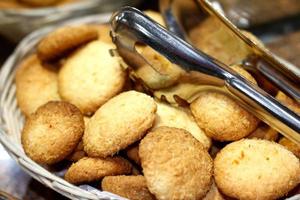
[94, 169]
[52, 132]
[167, 115]
[39, 2]
[291, 146]
[120, 122]
[175, 164]
[256, 169]
[35, 85]
[103, 31]
[221, 117]
[243, 73]
[132, 153]
[162, 75]
[91, 76]
[56, 44]
[131, 187]
[78, 152]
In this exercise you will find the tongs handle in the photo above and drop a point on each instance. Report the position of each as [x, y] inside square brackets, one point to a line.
[130, 26]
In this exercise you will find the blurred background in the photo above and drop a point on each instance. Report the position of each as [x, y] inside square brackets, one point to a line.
[276, 23]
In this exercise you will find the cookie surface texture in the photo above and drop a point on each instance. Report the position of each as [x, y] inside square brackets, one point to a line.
[91, 76]
[52, 132]
[121, 121]
[256, 169]
[93, 169]
[175, 164]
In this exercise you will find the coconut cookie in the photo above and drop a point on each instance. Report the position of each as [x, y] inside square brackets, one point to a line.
[52, 132]
[35, 85]
[256, 169]
[175, 164]
[91, 76]
[131, 187]
[167, 115]
[221, 117]
[121, 121]
[93, 169]
[63, 40]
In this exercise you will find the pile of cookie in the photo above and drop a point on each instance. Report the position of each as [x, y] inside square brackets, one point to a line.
[82, 107]
[4, 4]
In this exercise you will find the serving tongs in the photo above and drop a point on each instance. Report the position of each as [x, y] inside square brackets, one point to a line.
[130, 27]
[183, 16]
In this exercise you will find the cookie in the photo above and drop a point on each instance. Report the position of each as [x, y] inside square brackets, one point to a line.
[130, 187]
[132, 153]
[161, 73]
[175, 164]
[78, 153]
[291, 146]
[52, 132]
[264, 132]
[120, 122]
[288, 102]
[103, 31]
[91, 76]
[176, 117]
[56, 44]
[35, 85]
[94, 169]
[213, 193]
[256, 169]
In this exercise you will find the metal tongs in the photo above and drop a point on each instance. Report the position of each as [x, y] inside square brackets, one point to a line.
[182, 16]
[131, 27]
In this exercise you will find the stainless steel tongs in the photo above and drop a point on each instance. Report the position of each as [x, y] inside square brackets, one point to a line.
[182, 17]
[131, 27]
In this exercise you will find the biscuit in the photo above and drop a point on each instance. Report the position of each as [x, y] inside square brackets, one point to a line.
[256, 169]
[35, 85]
[91, 76]
[167, 115]
[56, 44]
[94, 169]
[221, 117]
[103, 31]
[291, 146]
[132, 153]
[52, 132]
[162, 75]
[131, 187]
[175, 164]
[121, 121]
[78, 153]
[40, 2]
[243, 73]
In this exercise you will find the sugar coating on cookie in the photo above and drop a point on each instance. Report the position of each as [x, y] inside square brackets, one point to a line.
[35, 85]
[121, 121]
[175, 164]
[256, 169]
[167, 115]
[131, 187]
[91, 76]
[52, 132]
[61, 41]
[93, 169]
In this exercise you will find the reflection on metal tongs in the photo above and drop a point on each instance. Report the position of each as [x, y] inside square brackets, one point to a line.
[182, 17]
[131, 27]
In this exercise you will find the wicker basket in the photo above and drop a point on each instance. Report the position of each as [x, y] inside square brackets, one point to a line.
[11, 119]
